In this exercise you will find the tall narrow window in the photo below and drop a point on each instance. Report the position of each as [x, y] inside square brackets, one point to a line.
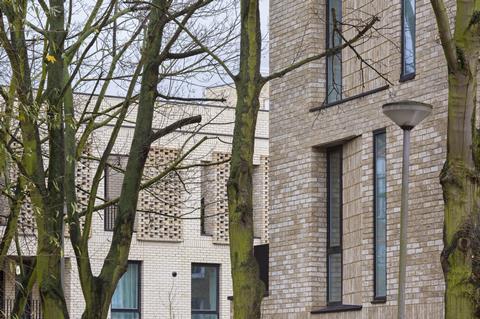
[334, 219]
[334, 62]
[380, 209]
[126, 299]
[113, 187]
[202, 216]
[408, 39]
[205, 295]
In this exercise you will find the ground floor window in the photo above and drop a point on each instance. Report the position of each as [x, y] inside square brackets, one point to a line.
[334, 220]
[205, 292]
[126, 299]
[380, 210]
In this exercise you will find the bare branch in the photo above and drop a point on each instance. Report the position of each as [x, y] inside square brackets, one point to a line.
[188, 99]
[326, 53]
[175, 126]
[183, 55]
[445, 32]
[206, 49]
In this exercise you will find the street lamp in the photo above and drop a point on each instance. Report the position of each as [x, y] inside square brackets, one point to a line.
[406, 114]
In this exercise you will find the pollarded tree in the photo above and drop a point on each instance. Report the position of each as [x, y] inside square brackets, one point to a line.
[460, 176]
[46, 54]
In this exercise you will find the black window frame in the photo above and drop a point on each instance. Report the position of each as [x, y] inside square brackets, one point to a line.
[408, 76]
[207, 312]
[337, 249]
[139, 297]
[378, 298]
[329, 45]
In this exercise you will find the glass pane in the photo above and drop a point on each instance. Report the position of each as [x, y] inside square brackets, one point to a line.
[114, 176]
[380, 216]
[126, 293]
[409, 36]
[204, 316]
[334, 63]
[335, 197]
[334, 85]
[334, 39]
[125, 315]
[335, 277]
[204, 288]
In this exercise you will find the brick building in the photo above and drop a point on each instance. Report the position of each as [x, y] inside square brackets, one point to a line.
[335, 162]
[179, 262]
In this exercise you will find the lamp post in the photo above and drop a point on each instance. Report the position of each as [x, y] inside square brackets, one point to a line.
[406, 114]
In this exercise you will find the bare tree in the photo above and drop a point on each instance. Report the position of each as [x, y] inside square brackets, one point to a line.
[47, 53]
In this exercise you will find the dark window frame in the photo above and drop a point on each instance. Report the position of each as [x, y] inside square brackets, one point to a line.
[350, 98]
[112, 209]
[139, 297]
[328, 45]
[203, 230]
[407, 76]
[108, 220]
[207, 312]
[337, 249]
[377, 298]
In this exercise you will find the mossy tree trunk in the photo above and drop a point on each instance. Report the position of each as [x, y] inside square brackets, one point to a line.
[50, 219]
[248, 290]
[460, 177]
[47, 200]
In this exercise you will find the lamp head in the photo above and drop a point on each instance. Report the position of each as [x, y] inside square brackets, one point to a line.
[407, 114]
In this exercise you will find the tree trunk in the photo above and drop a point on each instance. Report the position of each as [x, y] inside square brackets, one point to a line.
[98, 301]
[460, 176]
[461, 194]
[50, 214]
[248, 289]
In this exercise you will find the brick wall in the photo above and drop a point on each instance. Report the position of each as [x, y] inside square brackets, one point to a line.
[298, 138]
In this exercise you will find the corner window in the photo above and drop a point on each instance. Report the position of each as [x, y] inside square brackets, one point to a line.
[408, 39]
[113, 187]
[380, 212]
[334, 62]
[205, 294]
[126, 298]
[334, 220]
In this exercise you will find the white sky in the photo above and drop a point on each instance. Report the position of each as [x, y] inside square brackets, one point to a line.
[265, 20]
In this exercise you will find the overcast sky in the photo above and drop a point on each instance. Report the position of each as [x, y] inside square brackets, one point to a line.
[265, 22]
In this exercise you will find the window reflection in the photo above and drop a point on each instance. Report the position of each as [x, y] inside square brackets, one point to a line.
[380, 215]
[408, 34]
[204, 291]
